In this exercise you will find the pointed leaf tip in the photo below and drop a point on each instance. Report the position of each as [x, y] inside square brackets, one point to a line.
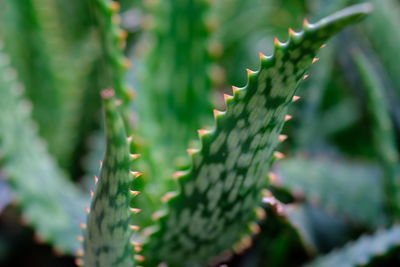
[157, 215]
[135, 210]
[227, 97]
[79, 253]
[126, 63]
[217, 113]
[295, 98]
[250, 72]
[291, 32]
[347, 15]
[282, 137]
[191, 151]
[139, 258]
[134, 193]
[273, 178]
[178, 174]
[79, 262]
[134, 227]
[122, 34]
[279, 155]
[203, 132]
[235, 89]
[255, 228]
[169, 195]
[306, 23]
[136, 174]
[107, 93]
[260, 213]
[136, 244]
[262, 55]
[115, 6]
[135, 156]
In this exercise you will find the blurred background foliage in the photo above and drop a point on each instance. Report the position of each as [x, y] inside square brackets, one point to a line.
[343, 140]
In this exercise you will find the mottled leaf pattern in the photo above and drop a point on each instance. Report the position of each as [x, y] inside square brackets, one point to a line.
[219, 194]
[107, 238]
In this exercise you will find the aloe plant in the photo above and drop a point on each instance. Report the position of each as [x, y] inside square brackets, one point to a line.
[162, 196]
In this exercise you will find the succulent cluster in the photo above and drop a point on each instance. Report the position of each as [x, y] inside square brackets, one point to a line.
[130, 84]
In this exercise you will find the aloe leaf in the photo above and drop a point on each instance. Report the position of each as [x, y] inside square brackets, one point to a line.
[384, 22]
[218, 195]
[178, 48]
[322, 229]
[280, 241]
[325, 182]
[54, 206]
[37, 45]
[362, 251]
[285, 238]
[113, 40]
[107, 236]
[383, 131]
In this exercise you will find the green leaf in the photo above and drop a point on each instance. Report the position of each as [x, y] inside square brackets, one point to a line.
[383, 131]
[384, 23]
[38, 48]
[352, 190]
[362, 251]
[107, 238]
[285, 238]
[54, 206]
[109, 229]
[175, 80]
[219, 194]
[113, 40]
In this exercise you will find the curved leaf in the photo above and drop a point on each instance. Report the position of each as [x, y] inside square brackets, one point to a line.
[219, 193]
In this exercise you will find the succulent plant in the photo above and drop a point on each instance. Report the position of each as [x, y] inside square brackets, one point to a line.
[162, 196]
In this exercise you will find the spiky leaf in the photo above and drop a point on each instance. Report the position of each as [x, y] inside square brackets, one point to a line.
[336, 186]
[362, 251]
[219, 193]
[107, 238]
[38, 46]
[49, 202]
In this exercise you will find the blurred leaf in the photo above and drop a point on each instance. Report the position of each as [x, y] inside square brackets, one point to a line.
[49, 202]
[353, 190]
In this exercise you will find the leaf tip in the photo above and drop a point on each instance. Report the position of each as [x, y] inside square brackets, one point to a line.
[295, 98]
